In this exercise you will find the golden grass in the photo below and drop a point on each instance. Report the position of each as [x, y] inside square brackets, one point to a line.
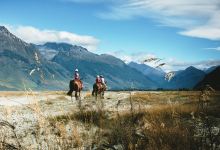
[159, 122]
[88, 95]
[165, 96]
[165, 125]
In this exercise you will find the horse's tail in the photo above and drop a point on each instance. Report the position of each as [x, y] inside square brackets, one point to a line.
[71, 85]
[94, 86]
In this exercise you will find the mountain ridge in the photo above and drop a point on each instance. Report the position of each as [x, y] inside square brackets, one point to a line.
[24, 58]
[212, 79]
[114, 69]
[153, 73]
[30, 69]
[50, 67]
[186, 79]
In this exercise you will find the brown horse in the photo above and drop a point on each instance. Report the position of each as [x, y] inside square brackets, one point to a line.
[99, 89]
[75, 85]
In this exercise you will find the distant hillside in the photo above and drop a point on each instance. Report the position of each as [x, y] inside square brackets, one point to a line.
[183, 79]
[212, 79]
[117, 73]
[187, 78]
[210, 69]
[154, 74]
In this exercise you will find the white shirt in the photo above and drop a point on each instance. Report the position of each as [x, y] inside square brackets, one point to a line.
[103, 80]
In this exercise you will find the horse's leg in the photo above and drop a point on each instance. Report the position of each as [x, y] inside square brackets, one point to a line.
[103, 94]
[76, 95]
[93, 90]
[96, 94]
[79, 99]
[102, 102]
[100, 93]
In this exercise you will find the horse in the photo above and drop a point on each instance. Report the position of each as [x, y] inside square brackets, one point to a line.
[99, 89]
[75, 85]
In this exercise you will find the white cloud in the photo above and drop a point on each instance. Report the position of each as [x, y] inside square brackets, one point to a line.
[214, 48]
[135, 57]
[212, 33]
[171, 64]
[37, 36]
[197, 18]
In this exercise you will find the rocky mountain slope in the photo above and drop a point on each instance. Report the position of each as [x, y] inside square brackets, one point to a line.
[22, 66]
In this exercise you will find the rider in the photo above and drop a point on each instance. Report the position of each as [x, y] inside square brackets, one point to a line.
[103, 85]
[97, 83]
[102, 79]
[75, 80]
[77, 76]
[98, 79]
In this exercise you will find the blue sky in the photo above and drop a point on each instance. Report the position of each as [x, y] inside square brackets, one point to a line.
[182, 32]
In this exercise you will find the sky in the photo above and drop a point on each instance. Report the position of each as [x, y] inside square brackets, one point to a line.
[180, 32]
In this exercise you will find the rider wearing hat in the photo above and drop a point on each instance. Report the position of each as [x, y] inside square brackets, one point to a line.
[102, 79]
[98, 79]
[77, 81]
[77, 76]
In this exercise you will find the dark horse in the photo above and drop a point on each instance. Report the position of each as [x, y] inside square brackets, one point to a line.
[75, 86]
[99, 89]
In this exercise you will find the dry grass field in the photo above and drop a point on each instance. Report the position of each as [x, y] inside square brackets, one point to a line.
[123, 120]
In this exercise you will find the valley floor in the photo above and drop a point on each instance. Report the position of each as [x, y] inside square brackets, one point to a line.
[122, 120]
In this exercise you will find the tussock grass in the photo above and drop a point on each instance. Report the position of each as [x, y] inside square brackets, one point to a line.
[89, 117]
[166, 97]
[165, 125]
[159, 127]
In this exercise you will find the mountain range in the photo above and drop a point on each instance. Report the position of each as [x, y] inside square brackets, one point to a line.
[26, 65]
[50, 67]
[117, 73]
[182, 79]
